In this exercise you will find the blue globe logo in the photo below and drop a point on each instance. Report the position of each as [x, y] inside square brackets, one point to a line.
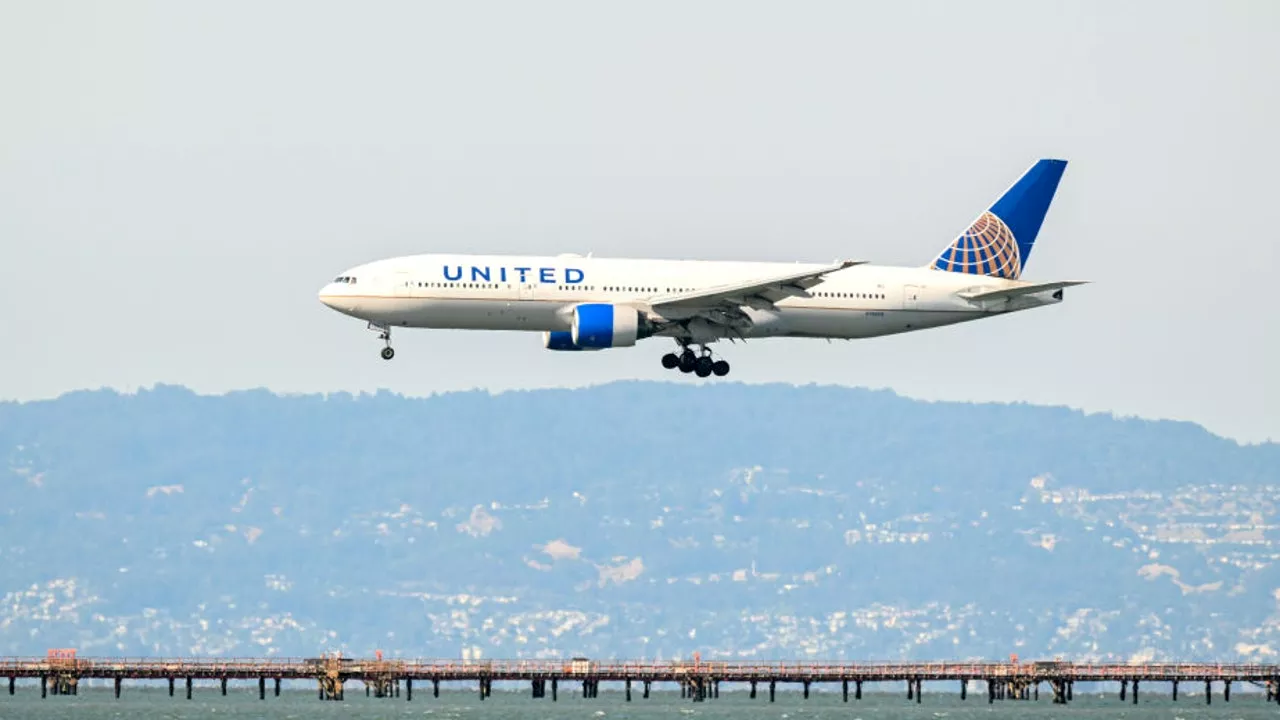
[986, 248]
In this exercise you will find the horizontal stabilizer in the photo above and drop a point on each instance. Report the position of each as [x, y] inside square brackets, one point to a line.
[1020, 290]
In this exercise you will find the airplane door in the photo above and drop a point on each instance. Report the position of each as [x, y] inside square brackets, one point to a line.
[911, 295]
[401, 284]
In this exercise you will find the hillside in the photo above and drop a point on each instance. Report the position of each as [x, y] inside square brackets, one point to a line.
[634, 519]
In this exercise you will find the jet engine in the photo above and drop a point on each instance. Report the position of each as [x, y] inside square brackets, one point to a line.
[561, 340]
[602, 325]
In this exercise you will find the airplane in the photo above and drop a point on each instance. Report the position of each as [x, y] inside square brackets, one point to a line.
[594, 303]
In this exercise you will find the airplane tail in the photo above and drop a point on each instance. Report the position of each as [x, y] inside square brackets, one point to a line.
[999, 242]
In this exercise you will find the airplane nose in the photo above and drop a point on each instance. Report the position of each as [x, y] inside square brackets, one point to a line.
[327, 296]
[338, 297]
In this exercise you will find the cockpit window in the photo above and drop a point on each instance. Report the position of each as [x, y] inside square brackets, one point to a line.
[345, 279]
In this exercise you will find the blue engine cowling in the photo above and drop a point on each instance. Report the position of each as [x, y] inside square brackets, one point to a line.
[601, 325]
[560, 340]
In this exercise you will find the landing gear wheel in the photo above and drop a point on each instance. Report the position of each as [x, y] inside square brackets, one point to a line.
[388, 353]
[703, 366]
[688, 361]
[720, 368]
[671, 361]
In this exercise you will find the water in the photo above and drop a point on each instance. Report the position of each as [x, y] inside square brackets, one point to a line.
[242, 703]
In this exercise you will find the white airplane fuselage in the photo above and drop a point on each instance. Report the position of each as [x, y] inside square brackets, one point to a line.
[486, 292]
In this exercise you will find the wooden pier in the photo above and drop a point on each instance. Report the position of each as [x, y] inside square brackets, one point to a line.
[60, 673]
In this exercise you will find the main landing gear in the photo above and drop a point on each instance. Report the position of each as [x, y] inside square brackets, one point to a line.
[700, 364]
[384, 334]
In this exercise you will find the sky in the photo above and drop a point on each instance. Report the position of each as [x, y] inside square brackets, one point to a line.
[177, 181]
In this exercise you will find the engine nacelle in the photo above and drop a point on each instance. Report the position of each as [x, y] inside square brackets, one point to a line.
[601, 325]
[561, 340]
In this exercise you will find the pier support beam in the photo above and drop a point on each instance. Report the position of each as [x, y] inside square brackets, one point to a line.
[647, 683]
[773, 689]
[1175, 691]
[857, 689]
[262, 688]
[628, 682]
[844, 686]
[806, 689]
[13, 682]
[1135, 691]
[1124, 689]
[44, 686]
[224, 687]
[555, 682]
[119, 681]
[911, 689]
[408, 689]
[435, 686]
[991, 691]
[277, 687]
[1226, 691]
[1208, 692]
[170, 687]
[188, 688]
[964, 689]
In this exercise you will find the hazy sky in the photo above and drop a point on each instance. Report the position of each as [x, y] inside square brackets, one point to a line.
[177, 180]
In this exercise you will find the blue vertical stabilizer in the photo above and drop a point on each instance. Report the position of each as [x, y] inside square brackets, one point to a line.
[999, 242]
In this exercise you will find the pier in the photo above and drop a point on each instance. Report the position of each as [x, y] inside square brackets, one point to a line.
[60, 673]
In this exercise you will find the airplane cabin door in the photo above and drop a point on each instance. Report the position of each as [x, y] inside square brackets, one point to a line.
[401, 285]
[911, 295]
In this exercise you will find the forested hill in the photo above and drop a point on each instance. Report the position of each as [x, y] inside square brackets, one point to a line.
[633, 519]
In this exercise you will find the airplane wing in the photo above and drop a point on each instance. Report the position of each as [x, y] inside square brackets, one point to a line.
[1013, 292]
[752, 293]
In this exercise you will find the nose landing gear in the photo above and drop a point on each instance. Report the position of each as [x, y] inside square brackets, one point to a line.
[384, 334]
[698, 363]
